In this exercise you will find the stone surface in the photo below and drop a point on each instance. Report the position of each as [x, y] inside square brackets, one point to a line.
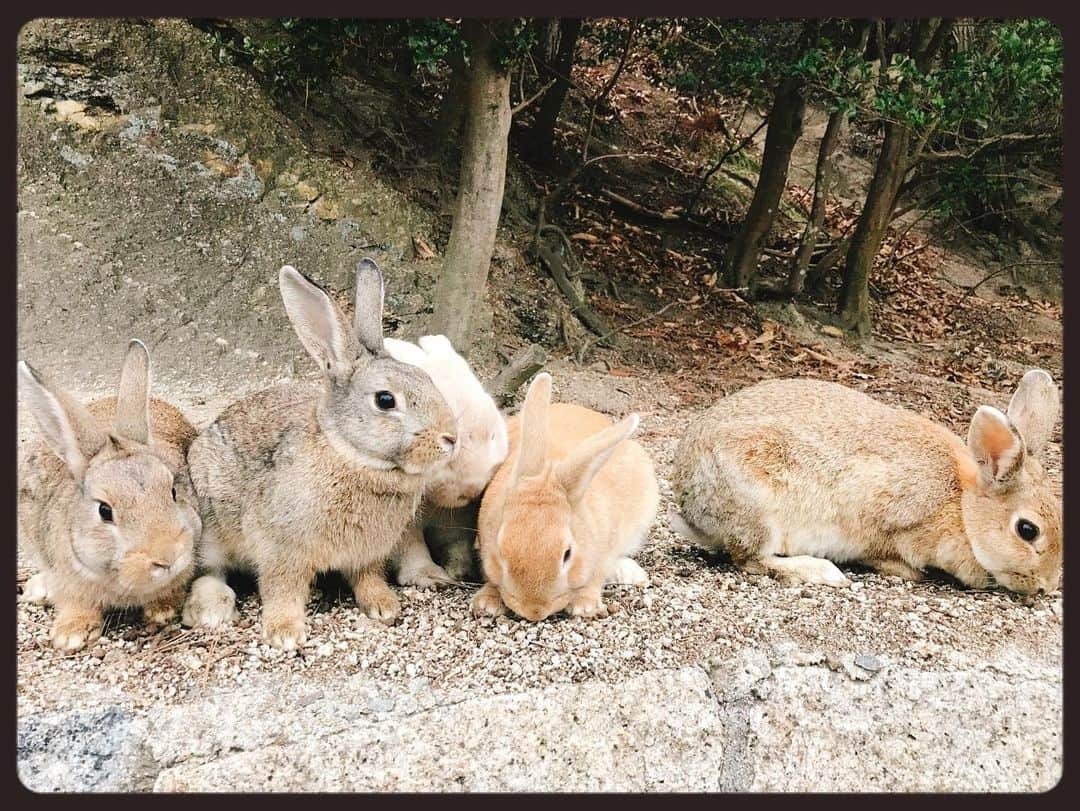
[755, 722]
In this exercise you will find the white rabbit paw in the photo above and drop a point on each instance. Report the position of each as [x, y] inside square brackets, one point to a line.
[627, 572]
[425, 577]
[211, 603]
[36, 590]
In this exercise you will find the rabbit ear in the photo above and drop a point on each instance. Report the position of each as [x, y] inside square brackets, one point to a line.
[997, 446]
[405, 351]
[1034, 409]
[67, 427]
[438, 345]
[534, 427]
[133, 396]
[367, 316]
[576, 471]
[317, 321]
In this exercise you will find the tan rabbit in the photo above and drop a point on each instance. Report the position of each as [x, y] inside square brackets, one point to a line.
[788, 475]
[105, 505]
[300, 479]
[565, 513]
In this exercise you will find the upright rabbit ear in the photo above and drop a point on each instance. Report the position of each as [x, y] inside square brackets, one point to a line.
[133, 396]
[367, 317]
[438, 345]
[997, 446]
[318, 322]
[534, 428]
[577, 470]
[405, 351]
[67, 427]
[1034, 409]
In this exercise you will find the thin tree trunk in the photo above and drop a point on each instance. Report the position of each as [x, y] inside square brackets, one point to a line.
[483, 175]
[870, 229]
[785, 126]
[539, 141]
[452, 109]
[824, 173]
[927, 37]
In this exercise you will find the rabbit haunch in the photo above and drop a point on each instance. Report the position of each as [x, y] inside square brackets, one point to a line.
[566, 511]
[449, 509]
[105, 505]
[788, 475]
[296, 479]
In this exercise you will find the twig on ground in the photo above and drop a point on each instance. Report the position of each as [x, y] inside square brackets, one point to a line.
[517, 371]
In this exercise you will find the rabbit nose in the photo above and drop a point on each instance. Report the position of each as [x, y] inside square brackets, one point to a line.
[161, 567]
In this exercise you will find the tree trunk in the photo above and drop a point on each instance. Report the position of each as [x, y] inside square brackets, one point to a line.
[927, 37]
[824, 174]
[785, 126]
[452, 109]
[870, 229]
[483, 175]
[539, 141]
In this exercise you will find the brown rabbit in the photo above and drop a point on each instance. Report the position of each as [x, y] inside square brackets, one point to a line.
[566, 511]
[788, 475]
[300, 479]
[105, 504]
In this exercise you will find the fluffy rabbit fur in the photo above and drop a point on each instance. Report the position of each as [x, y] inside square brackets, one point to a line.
[105, 505]
[449, 510]
[788, 475]
[565, 512]
[300, 479]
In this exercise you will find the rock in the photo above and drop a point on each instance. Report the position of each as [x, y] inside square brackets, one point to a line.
[75, 158]
[327, 209]
[869, 663]
[979, 729]
[738, 676]
[306, 191]
[95, 750]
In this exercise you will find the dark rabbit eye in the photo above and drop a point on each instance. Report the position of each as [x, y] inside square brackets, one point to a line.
[384, 400]
[105, 511]
[1027, 530]
[566, 555]
[174, 494]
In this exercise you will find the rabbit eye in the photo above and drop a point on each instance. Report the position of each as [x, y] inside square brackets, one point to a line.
[1027, 530]
[384, 400]
[174, 494]
[566, 556]
[105, 511]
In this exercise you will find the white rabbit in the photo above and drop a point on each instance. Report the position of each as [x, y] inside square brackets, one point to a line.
[449, 511]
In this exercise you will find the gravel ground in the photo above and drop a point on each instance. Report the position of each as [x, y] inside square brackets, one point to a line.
[697, 607]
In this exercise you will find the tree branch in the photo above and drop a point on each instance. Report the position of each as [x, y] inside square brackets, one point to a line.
[515, 110]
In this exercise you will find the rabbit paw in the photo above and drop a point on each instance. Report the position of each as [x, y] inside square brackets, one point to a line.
[427, 577]
[211, 603]
[627, 572]
[384, 608]
[375, 598]
[589, 606]
[36, 590]
[487, 602]
[807, 569]
[285, 633]
[72, 633]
